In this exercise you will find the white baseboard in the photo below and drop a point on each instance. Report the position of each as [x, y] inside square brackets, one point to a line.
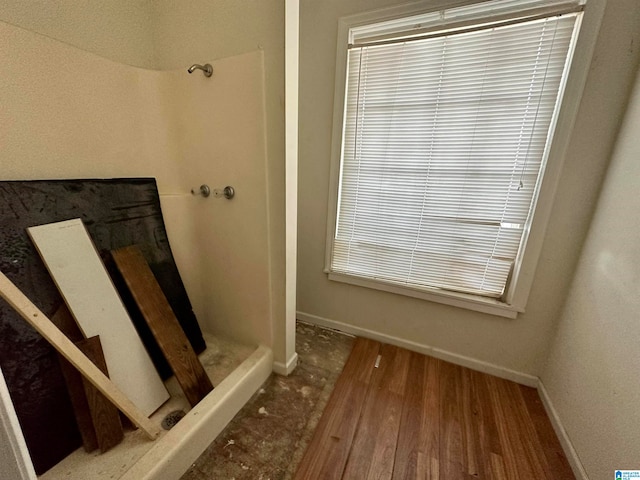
[565, 441]
[285, 369]
[472, 363]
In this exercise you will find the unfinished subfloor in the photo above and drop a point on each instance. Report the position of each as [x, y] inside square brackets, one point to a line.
[268, 437]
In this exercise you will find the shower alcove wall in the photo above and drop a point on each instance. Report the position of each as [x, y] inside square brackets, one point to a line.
[69, 113]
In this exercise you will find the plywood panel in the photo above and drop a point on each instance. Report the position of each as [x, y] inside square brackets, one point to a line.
[71, 258]
[163, 323]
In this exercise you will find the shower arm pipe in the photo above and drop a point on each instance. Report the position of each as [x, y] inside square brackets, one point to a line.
[207, 69]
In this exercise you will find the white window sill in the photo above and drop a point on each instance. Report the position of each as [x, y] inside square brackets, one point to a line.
[455, 299]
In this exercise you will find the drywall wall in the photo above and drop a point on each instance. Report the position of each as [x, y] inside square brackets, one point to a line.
[592, 372]
[201, 31]
[518, 345]
[118, 29]
[80, 115]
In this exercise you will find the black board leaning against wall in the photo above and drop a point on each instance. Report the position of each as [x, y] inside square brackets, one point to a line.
[117, 213]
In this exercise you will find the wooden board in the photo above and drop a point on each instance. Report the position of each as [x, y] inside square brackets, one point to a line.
[39, 321]
[75, 386]
[76, 268]
[164, 325]
[104, 415]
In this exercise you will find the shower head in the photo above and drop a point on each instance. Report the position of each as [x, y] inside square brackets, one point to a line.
[207, 69]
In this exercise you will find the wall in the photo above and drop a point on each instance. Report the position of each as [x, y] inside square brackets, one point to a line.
[80, 115]
[118, 29]
[510, 346]
[592, 371]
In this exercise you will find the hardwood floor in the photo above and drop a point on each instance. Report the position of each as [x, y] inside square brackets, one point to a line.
[417, 417]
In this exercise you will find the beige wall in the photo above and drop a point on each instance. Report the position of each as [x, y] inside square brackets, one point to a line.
[116, 29]
[519, 345]
[592, 372]
[80, 115]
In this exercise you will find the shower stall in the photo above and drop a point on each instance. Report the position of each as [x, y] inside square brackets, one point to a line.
[113, 97]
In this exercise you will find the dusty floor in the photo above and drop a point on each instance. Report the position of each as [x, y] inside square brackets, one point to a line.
[268, 437]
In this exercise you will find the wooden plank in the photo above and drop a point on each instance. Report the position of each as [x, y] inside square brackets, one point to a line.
[452, 448]
[487, 429]
[329, 448]
[75, 386]
[374, 444]
[417, 455]
[497, 468]
[164, 325]
[105, 416]
[514, 460]
[393, 384]
[71, 258]
[65, 322]
[533, 450]
[29, 312]
[471, 418]
[549, 443]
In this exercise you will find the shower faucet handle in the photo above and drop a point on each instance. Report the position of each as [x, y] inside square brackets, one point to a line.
[204, 190]
[227, 192]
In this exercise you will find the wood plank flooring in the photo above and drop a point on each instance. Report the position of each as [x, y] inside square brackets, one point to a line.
[417, 417]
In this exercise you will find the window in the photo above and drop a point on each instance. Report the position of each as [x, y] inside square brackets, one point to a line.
[445, 133]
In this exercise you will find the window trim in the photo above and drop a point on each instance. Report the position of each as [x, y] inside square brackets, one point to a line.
[524, 271]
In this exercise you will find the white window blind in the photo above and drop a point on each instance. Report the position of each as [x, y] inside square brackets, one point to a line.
[444, 141]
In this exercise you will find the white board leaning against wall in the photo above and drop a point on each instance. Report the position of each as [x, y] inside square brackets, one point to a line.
[75, 266]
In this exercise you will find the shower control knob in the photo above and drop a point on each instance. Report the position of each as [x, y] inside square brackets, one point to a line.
[227, 192]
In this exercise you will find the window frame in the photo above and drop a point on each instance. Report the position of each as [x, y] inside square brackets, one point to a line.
[519, 287]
